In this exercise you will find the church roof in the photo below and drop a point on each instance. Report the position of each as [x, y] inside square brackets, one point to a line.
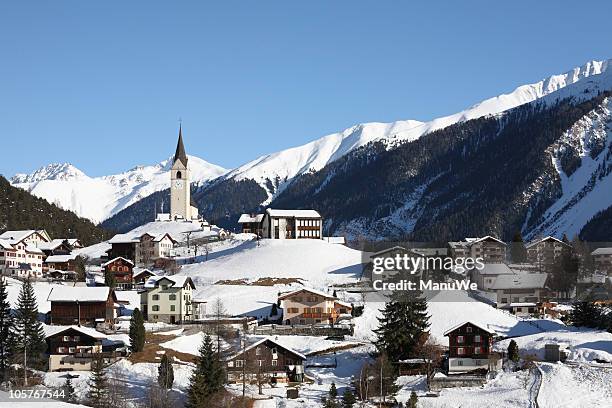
[180, 149]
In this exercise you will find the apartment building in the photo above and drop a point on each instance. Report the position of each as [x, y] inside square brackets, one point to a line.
[167, 299]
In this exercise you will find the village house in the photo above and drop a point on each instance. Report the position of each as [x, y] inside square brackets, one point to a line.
[309, 306]
[602, 259]
[60, 246]
[486, 277]
[167, 299]
[59, 275]
[72, 348]
[140, 276]
[545, 251]
[251, 224]
[61, 262]
[266, 361]
[520, 293]
[470, 349]
[19, 253]
[121, 269]
[490, 249]
[144, 248]
[82, 305]
[292, 224]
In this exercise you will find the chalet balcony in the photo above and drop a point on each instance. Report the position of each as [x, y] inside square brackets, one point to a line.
[316, 315]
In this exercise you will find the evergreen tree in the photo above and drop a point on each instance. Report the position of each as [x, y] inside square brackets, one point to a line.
[29, 334]
[518, 252]
[6, 325]
[412, 402]
[402, 325]
[79, 268]
[513, 351]
[137, 331]
[585, 314]
[165, 373]
[68, 389]
[333, 392]
[97, 395]
[207, 378]
[109, 279]
[335, 294]
[348, 399]
[274, 310]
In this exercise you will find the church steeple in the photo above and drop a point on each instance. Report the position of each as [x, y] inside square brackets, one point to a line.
[180, 148]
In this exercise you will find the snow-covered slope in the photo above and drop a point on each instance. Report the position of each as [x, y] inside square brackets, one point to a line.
[586, 190]
[97, 198]
[277, 169]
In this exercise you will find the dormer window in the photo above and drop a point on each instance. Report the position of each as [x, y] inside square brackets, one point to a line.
[468, 329]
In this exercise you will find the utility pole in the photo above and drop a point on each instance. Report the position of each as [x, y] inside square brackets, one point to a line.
[25, 362]
[381, 385]
[242, 344]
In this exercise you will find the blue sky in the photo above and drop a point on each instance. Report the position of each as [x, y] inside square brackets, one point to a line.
[102, 84]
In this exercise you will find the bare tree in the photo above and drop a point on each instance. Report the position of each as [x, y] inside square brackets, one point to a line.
[219, 313]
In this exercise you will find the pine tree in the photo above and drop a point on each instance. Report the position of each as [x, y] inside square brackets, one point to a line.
[585, 314]
[68, 390]
[333, 392]
[165, 373]
[29, 333]
[335, 294]
[513, 351]
[274, 310]
[109, 279]
[97, 395]
[6, 325]
[412, 402]
[348, 399]
[402, 325]
[518, 252]
[137, 331]
[207, 378]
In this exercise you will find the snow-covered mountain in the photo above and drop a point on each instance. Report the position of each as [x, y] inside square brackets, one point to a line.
[274, 171]
[98, 198]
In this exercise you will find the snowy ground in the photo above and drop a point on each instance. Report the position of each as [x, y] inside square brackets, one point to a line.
[565, 386]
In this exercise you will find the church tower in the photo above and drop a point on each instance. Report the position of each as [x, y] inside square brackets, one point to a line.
[180, 188]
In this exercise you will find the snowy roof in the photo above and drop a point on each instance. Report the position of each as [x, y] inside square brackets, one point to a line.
[5, 244]
[270, 339]
[244, 218]
[391, 249]
[473, 324]
[342, 303]
[293, 213]
[177, 281]
[313, 291]
[54, 243]
[602, 251]
[116, 259]
[53, 330]
[548, 238]
[124, 239]
[520, 280]
[495, 269]
[33, 249]
[19, 235]
[488, 237]
[139, 271]
[78, 293]
[60, 258]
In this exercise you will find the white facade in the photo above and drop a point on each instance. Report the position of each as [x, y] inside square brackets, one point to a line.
[19, 254]
[167, 299]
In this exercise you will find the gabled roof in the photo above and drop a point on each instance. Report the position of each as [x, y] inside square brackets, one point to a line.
[486, 238]
[179, 154]
[313, 291]
[391, 249]
[55, 243]
[79, 294]
[602, 251]
[140, 271]
[271, 340]
[452, 329]
[293, 213]
[5, 244]
[342, 303]
[245, 218]
[495, 269]
[176, 281]
[60, 258]
[116, 259]
[548, 238]
[33, 249]
[520, 281]
[55, 330]
[160, 237]
[17, 236]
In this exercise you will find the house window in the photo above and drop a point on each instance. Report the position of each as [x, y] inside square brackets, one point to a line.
[172, 297]
[155, 308]
[164, 287]
[477, 339]
[460, 339]
[260, 363]
[460, 351]
[258, 351]
[274, 363]
[468, 329]
[172, 308]
[155, 297]
[239, 363]
[477, 350]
